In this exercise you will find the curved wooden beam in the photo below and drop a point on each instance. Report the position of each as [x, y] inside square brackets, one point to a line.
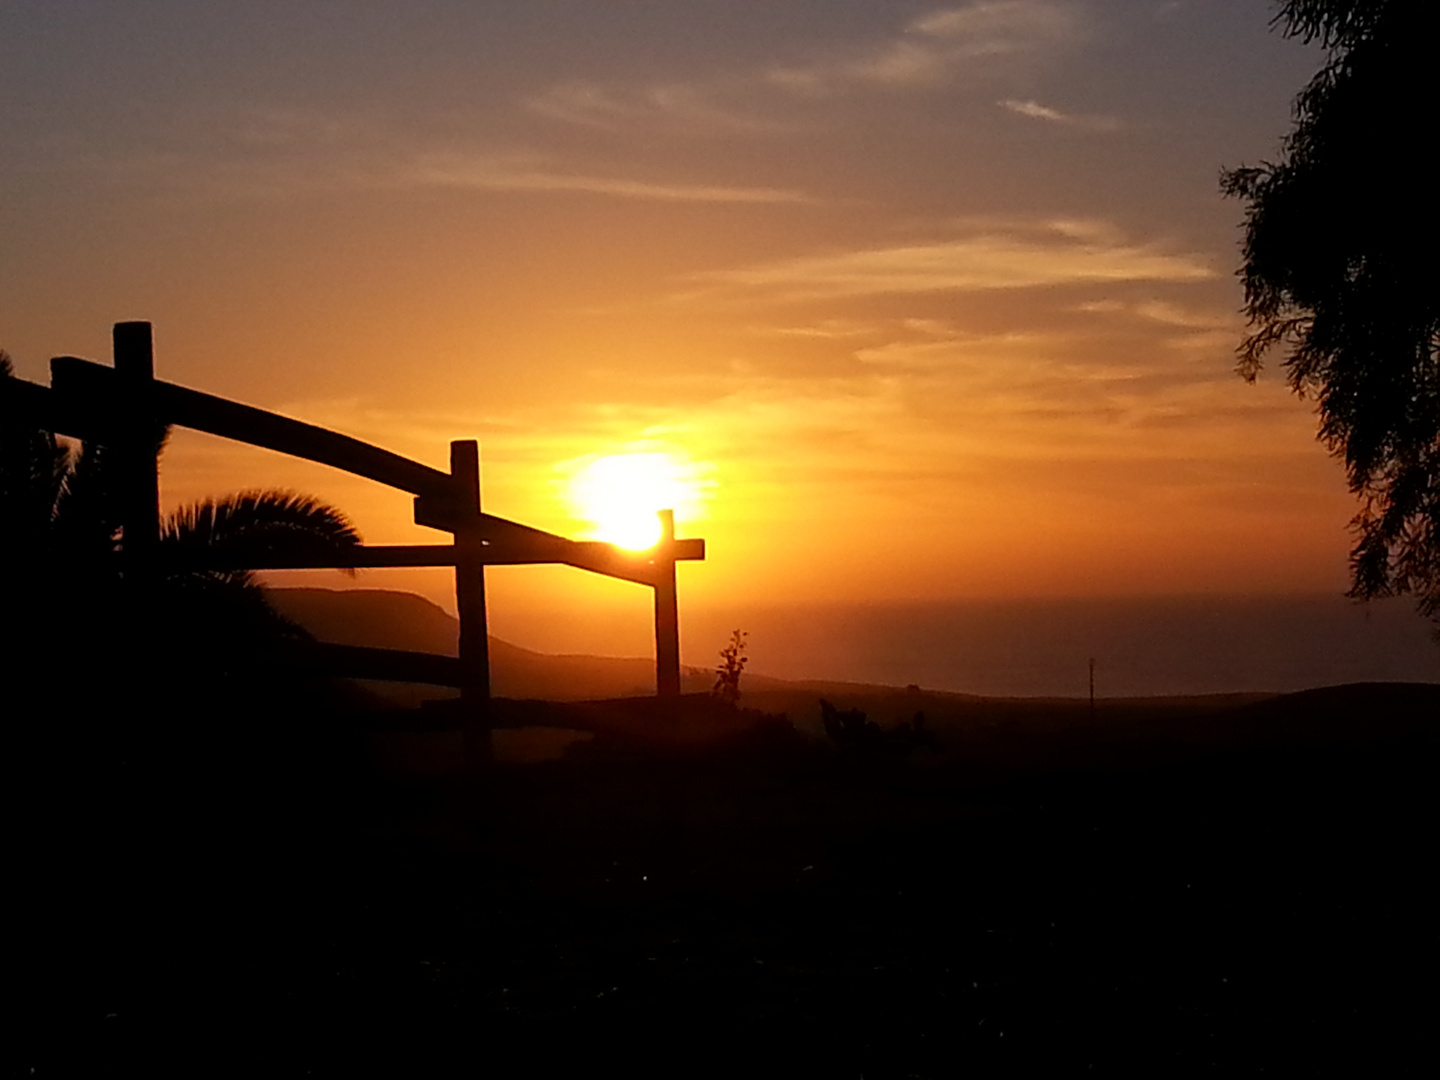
[93, 387]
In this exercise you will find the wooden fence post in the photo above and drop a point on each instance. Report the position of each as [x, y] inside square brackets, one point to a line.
[470, 604]
[138, 450]
[667, 614]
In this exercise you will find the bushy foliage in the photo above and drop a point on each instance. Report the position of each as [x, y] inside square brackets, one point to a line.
[1342, 271]
[853, 734]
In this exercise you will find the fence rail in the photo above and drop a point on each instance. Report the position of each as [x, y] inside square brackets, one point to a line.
[124, 406]
[91, 389]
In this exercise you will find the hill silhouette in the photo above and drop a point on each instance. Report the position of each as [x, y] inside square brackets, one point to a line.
[984, 739]
[387, 619]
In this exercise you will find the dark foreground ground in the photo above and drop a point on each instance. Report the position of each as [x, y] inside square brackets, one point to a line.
[1261, 902]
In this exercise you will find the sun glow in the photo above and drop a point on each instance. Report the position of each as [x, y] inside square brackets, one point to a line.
[620, 495]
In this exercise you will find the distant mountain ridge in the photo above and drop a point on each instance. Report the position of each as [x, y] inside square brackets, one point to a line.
[1158, 649]
[386, 619]
[985, 728]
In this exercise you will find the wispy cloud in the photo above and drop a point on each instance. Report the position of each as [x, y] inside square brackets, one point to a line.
[824, 329]
[1057, 253]
[673, 107]
[978, 40]
[1168, 314]
[270, 156]
[1035, 111]
[933, 49]
[520, 173]
[582, 103]
[929, 347]
[1197, 331]
[1171, 314]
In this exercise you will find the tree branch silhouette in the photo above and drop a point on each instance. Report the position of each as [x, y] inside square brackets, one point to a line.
[1341, 268]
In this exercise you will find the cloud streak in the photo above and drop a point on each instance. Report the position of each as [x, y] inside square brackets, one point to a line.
[673, 107]
[262, 158]
[979, 40]
[1035, 111]
[976, 38]
[1062, 253]
[501, 173]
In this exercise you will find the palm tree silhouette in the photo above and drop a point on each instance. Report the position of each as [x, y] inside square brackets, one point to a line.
[164, 732]
[60, 538]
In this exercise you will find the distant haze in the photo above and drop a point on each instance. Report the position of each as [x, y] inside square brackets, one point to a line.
[1140, 646]
[1022, 648]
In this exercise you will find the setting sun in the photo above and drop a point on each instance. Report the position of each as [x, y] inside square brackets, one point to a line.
[619, 495]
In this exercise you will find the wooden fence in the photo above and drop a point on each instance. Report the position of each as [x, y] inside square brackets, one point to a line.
[122, 407]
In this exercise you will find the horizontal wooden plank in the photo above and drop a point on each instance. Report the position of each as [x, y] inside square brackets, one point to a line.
[97, 385]
[681, 551]
[390, 665]
[523, 544]
[37, 406]
[611, 561]
[585, 555]
[27, 403]
[599, 558]
[366, 557]
[689, 550]
[453, 515]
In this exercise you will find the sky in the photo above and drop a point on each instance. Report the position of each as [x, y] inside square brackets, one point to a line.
[916, 300]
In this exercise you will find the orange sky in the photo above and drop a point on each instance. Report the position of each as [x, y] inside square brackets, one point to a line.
[930, 300]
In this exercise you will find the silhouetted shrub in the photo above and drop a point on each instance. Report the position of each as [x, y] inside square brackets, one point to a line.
[852, 733]
[732, 666]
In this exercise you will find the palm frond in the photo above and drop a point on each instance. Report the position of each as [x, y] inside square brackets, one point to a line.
[87, 512]
[247, 529]
[258, 524]
[34, 466]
